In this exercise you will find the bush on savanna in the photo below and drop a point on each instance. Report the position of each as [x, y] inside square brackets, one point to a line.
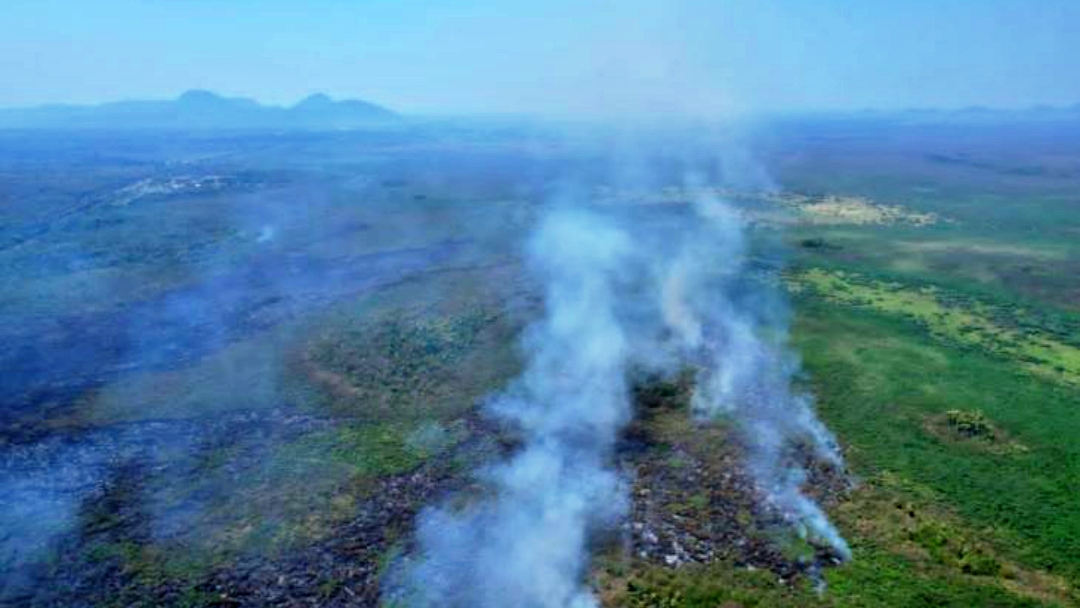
[720, 584]
[949, 547]
[970, 423]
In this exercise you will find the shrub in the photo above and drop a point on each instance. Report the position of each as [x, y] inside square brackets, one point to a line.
[970, 423]
[978, 562]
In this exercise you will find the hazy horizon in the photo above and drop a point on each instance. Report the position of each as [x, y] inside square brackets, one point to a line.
[508, 113]
[602, 58]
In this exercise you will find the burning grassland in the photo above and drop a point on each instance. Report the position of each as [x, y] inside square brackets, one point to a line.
[627, 294]
[303, 532]
[300, 491]
[897, 529]
[696, 502]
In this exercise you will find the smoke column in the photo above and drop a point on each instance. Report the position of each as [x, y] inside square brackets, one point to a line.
[526, 546]
[621, 293]
[745, 370]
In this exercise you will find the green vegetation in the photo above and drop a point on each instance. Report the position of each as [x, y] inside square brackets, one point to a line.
[877, 377]
[961, 319]
[373, 450]
[695, 587]
[408, 366]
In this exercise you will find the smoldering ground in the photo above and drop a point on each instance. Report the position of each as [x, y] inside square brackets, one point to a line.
[177, 415]
[629, 291]
[529, 542]
[149, 339]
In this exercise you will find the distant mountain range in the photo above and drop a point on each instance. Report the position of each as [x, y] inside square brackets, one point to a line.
[202, 110]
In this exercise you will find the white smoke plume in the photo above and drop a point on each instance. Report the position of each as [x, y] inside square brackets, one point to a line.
[526, 546]
[745, 369]
[622, 293]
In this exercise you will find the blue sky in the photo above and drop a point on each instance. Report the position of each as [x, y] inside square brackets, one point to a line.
[556, 56]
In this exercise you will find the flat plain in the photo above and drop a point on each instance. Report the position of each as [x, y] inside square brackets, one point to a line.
[236, 366]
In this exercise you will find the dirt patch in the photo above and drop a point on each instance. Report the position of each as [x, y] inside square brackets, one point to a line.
[859, 211]
[971, 428]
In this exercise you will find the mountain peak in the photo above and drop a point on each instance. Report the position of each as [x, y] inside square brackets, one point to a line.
[198, 96]
[315, 100]
[202, 109]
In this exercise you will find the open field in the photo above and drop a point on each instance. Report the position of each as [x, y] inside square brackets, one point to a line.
[236, 368]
